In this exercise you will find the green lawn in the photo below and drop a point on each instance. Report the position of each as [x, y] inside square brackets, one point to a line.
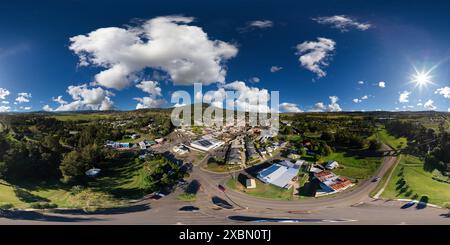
[410, 181]
[120, 181]
[386, 138]
[80, 117]
[221, 168]
[353, 167]
[262, 190]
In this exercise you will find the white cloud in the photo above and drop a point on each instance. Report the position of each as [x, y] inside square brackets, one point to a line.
[382, 84]
[153, 100]
[361, 82]
[318, 107]
[249, 98]
[403, 98]
[419, 104]
[445, 91]
[4, 108]
[149, 102]
[448, 109]
[26, 108]
[429, 105]
[84, 98]
[260, 24]
[290, 107]
[47, 108]
[342, 22]
[168, 43]
[315, 56]
[365, 97]
[150, 87]
[334, 106]
[275, 68]
[5, 102]
[59, 100]
[3, 93]
[255, 79]
[356, 100]
[23, 97]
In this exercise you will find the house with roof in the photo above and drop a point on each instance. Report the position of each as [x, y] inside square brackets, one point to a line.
[330, 183]
[331, 164]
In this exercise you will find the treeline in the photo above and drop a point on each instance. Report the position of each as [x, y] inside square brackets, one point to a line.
[433, 146]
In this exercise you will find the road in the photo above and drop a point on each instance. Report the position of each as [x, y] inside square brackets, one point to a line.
[351, 207]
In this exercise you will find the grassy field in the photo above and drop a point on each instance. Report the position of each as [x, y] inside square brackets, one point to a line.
[262, 190]
[221, 168]
[386, 138]
[120, 181]
[80, 117]
[410, 181]
[354, 167]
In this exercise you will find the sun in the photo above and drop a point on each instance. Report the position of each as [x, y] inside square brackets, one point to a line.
[422, 78]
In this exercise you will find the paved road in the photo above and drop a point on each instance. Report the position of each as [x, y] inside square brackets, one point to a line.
[352, 207]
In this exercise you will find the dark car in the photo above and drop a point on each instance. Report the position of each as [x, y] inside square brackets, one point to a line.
[188, 209]
[375, 179]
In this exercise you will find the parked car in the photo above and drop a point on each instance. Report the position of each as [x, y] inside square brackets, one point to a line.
[375, 179]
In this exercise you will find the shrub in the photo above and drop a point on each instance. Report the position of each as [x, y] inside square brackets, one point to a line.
[5, 205]
[42, 205]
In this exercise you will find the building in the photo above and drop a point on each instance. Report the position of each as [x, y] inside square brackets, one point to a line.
[331, 183]
[234, 156]
[180, 149]
[331, 164]
[279, 174]
[251, 152]
[206, 144]
[250, 183]
[119, 145]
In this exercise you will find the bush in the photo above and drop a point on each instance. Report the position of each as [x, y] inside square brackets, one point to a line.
[5, 205]
[43, 205]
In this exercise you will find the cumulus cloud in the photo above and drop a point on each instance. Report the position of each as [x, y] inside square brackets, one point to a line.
[445, 91]
[3, 93]
[382, 84]
[360, 82]
[260, 24]
[153, 99]
[5, 102]
[429, 105]
[334, 106]
[23, 97]
[356, 100]
[403, 98]
[4, 108]
[150, 87]
[318, 107]
[275, 68]
[342, 22]
[290, 107]
[249, 98]
[84, 98]
[169, 44]
[315, 55]
[359, 100]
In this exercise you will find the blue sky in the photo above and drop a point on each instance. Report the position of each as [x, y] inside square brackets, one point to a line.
[381, 41]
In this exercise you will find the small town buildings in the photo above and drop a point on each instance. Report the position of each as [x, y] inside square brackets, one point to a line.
[250, 183]
[234, 156]
[159, 140]
[119, 145]
[143, 145]
[251, 152]
[331, 164]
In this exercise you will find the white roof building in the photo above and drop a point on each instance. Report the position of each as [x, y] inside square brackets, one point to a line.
[205, 144]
